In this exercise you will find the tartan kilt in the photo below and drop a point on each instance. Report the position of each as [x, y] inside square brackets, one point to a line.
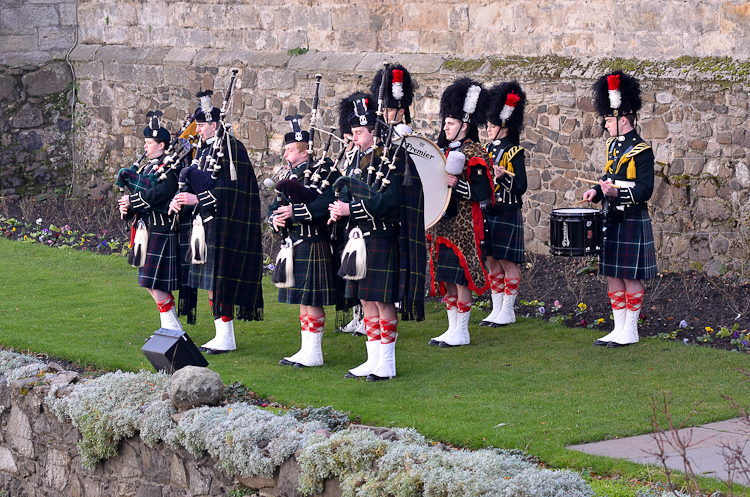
[202, 275]
[314, 280]
[448, 267]
[161, 270]
[506, 236]
[628, 251]
[381, 283]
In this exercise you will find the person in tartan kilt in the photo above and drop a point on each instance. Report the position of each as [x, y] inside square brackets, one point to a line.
[628, 254]
[504, 248]
[229, 210]
[456, 265]
[376, 219]
[160, 272]
[357, 325]
[315, 282]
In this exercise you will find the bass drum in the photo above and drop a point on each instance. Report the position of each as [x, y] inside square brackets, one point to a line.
[575, 232]
[430, 163]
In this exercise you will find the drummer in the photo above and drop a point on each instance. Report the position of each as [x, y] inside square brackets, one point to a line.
[504, 248]
[628, 254]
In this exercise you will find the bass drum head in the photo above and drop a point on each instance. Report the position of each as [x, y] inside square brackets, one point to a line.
[430, 163]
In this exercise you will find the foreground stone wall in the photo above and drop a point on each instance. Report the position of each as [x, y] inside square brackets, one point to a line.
[36, 142]
[695, 115]
[39, 457]
[657, 29]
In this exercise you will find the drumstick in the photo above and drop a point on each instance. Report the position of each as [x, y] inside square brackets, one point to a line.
[594, 182]
[580, 202]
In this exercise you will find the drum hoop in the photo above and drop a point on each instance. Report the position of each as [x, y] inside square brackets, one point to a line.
[444, 208]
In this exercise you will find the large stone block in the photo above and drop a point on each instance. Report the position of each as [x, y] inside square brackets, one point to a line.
[20, 434]
[57, 468]
[655, 129]
[27, 116]
[49, 80]
[30, 16]
[56, 38]
[193, 386]
[425, 16]
[270, 79]
[19, 44]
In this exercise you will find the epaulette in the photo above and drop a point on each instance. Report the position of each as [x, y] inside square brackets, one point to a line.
[514, 151]
[641, 147]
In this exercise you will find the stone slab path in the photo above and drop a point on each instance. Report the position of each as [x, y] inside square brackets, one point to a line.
[706, 451]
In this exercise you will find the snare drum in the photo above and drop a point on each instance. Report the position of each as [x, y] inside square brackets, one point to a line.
[575, 232]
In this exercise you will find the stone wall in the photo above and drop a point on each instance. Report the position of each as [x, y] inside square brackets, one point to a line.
[695, 115]
[39, 457]
[34, 32]
[657, 29]
[36, 146]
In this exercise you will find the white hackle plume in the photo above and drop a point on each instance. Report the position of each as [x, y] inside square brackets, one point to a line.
[615, 99]
[506, 112]
[206, 105]
[398, 91]
[472, 97]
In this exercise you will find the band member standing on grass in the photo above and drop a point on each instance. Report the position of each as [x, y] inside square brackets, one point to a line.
[504, 249]
[160, 271]
[456, 265]
[628, 254]
[230, 211]
[315, 282]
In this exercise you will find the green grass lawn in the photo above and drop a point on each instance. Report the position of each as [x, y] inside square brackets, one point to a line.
[531, 386]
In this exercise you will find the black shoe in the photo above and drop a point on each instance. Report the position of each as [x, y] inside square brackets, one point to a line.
[203, 349]
[446, 345]
[614, 345]
[486, 323]
[372, 377]
[217, 352]
[358, 334]
[434, 342]
[286, 362]
[601, 343]
[349, 375]
[497, 325]
[299, 366]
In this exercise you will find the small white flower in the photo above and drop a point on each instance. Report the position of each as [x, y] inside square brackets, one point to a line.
[39, 222]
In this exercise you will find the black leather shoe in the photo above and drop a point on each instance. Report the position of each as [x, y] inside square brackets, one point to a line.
[485, 323]
[349, 375]
[358, 334]
[203, 349]
[601, 343]
[614, 345]
[372, 377]
[217, 352]
[446, 345]
[299, 366]
[434, 342]
[285, 362]
[497, 325]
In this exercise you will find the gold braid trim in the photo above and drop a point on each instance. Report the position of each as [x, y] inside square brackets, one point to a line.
[631, 162]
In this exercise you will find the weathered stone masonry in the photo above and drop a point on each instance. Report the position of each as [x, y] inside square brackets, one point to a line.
[39, 457]
[695, 115]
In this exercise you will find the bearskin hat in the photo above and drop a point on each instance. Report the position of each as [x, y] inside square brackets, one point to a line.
[154, 129]
[506, 107]
[346, 107]
[466, 101]
[617, 94]
[399, 89]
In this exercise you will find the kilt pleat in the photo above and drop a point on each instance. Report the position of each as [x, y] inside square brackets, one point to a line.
[448, 267]
[314, 281]
[161, 270]
[628, 251]
[202, 275]
[380, 284]
[506, 236]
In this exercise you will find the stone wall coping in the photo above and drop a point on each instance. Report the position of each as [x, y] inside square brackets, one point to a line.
[548, 67]
[314, 61]
[182, 56]
[416, 63]
[84, 53]
[253, 58]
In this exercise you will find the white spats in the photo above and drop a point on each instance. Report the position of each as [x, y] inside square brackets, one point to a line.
[224, 339]
[373, 356]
